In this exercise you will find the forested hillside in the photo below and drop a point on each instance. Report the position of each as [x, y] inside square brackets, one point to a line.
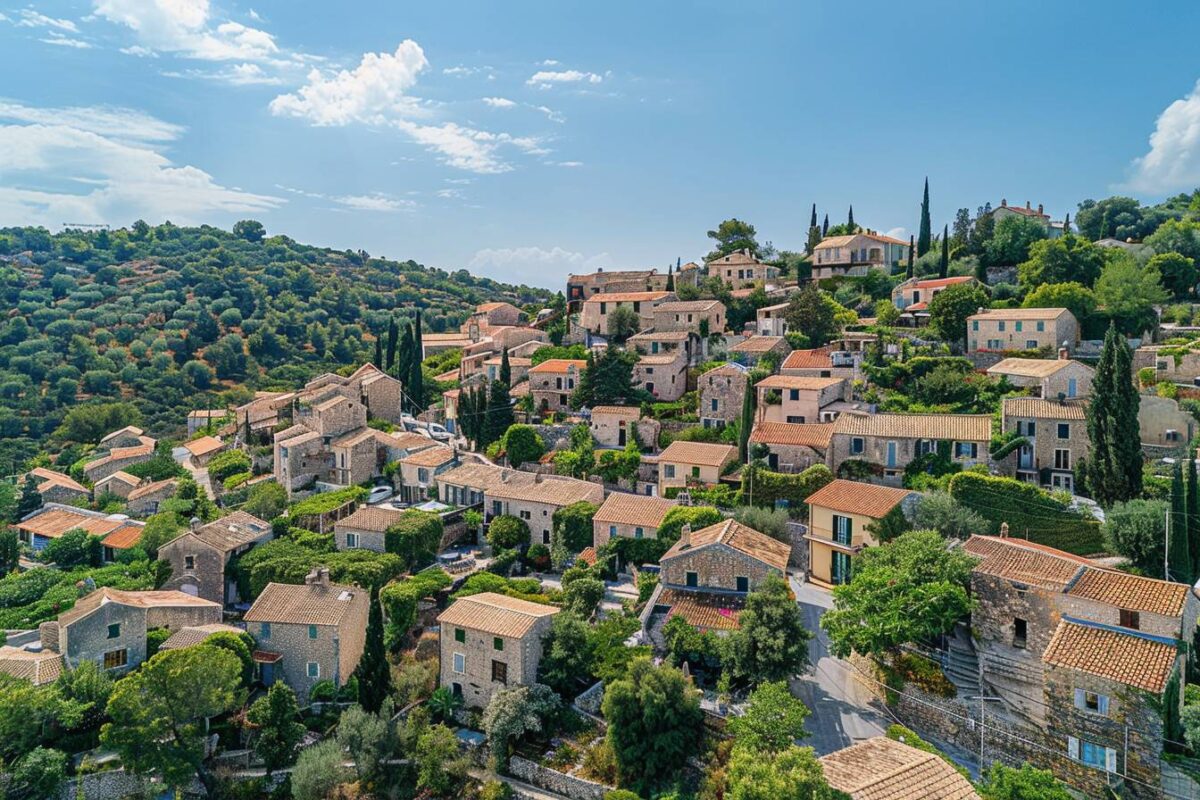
[170, 318]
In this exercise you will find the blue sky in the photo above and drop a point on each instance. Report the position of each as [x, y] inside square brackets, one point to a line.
[526, 140]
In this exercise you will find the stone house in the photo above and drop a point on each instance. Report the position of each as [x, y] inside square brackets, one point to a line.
[664, 376]
[200, 451]
[793, 447]
[999, 330]
[683, 464]
[840, 516]
[889, 442]
[912, 296]
[199, 557]
[38, 528]
[1169, 362]
[821, 362]
[518, 367]
[552, 382]
[1163, 423]
[145, 499]
[771, 320]
[856, 255]
[740, 269]
[1053, 229]
[597, 308]
[379, 392]
[450, 399]
[1057, 436]
[119, 484]
[784, 398]
[129, 436]
[702, 317]
[108, 626]
[581, 287]
[494, 315]
[419, 470]
[879, 768]
[434, 343]
[32, 662]
[536, 501]
[318, 629]
[55, 487]
[118, 458]
[655, 342]
[722, 391]
[490, 642]
[611, 427]
[466, 484]
[365, 528]
[629, 516]
[202, 418]
[1051, 378]
[750, 351]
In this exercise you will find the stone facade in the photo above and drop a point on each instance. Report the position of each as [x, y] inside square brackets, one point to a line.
[581, 287]
[663, 376]
[857, 254]
[1163, 423]
[771, 320]
[611, 426]
[554, 781]
[702, 317]
[596, 310]
[1022, 329]
[196, 567]
[1057, 436]
[722, 390]
[536, 504]
[800, 400]
[714, 567]
[552, 382]
[1181, 368]
[740, 269]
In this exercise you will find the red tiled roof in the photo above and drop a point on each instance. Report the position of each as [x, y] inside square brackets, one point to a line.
[853, 497]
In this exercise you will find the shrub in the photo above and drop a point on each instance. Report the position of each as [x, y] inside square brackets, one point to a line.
[415, 537]
[325, 502]
[696, 516]
[522, 444]
[508, 533]
[771, 487]
[227, 463]
[400, 600]
[1029, 511]
[234, 481]
[573, 525]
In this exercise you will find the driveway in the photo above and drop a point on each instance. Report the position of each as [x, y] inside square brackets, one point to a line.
[843, 710]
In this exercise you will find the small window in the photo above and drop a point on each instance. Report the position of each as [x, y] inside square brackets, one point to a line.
[1000, 327]
[460, 663]
[498, 643]
[639, 532]
[743, 583]
[974, 324]
[612, 530]
[314, 669]
[115, 659]
[312, 631]
[1020, 632]
[692, 579]
[264, 631]
[856, 446]
[189, 562]
[499, 671]
[1091, 702]
[1064, 430]
[460, 635]
[793, 394]
[351, 540]
[668, 470]
[1041, 326]
[1018, 326]
[114, 630]
[695, 472]
[1130, 619]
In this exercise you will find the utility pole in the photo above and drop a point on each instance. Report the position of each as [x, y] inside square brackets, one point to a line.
[1167, 546]
[983, 699]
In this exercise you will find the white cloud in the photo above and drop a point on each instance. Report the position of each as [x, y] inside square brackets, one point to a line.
[897, 233]
[550, 113]
[125, 174]
[254, 15]
[186, 27]
[374, 202]
[549, 62]
[1173, 162]
[33, 19]
[568, 164]
[449, 194]
[544, 79]
[139, 51]
[535, 266]
[246, 74]
[63, 41]
[499, 102]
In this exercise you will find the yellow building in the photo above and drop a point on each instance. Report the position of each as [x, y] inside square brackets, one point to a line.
[838, 518]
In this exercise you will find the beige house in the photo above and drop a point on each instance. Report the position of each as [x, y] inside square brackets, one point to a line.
[199, 557]
[490, 642]
[629, 516]
[741, 269]
[1057, 435]
[55, 487]
[820, 362]
[880, 767]
[310, 632]
[552, 382]
[771, 320]
[518, 367]
[664, 376]
[702, 317]
[784, 398]
[118, 458]
[1173, 366]
[581, 287]
[913, 295]
[793, 447]
[146, 498]
[888, 442]
[722, 391]
[687, 463]
[1163, 423]
[597, 308]
[612, 425]
[466, 484]
[52, 520]
[419, 470]
[108, 627]
[1002, 329]
[365, 529]
[655, 342]
[750, 350]
[201, 450]
[1038, 214]
[536, 501]
[856, 255]
[839, 516]
[119, 484]
[1052, 378]
[495, 315]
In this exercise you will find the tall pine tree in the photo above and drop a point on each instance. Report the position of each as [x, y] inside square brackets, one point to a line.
[812, 223]
[404, 359]
[374, 674]
[747, 421]
[1179, 556]
[925, 232]
[392, 335]
[908, 273]
[944, 264]
[416, 380]
[505, 368]
[499, 413]
[670, 278]
[1193, 514]
[825, 226]
[850, 218]
[30, 500]
[1115, 466]
[378, 360]
[1067, 225]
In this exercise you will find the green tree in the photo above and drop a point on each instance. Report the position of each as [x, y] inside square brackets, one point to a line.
[573, 525]
[507, 532]
[909, 590]
[1129, 293]
[746, 421]
[1027, 783]
[654, 724]
[39, 775]
[1179, 273]
[1193, 515]
[890, 526]
[319, 770]
[1011, 240]
[266, 500]
[514, 713]
[733, 235]
[1065, 259]
[1071, 295]
[10, 552]
[75, 548]
[1179, 555]
[925, 235]
[771, 642]
[944, 263]
[1177, 236]
[793, 774]
[1136, 529]
[938, 511]
[623, 322]
[607, 380]
[441, 766]
[522, 444]
[158, 713]
[566, 660]
[30, 500]
[810, 310]
[1115, 466]
[374, 672]
[499, 413]
[365, 737]
[276, 716]
[949, 309]
[415, 537]
[582, 593]
[774, 719]
[250, 230]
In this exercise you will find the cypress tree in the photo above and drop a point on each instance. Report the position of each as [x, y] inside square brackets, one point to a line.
[1067, 225]
[825, 226]
[670, 278]
[747, 421]
[404, 364]
[505, 369]
[911, 248]
[812, 223]
[417, 375]
[499, 412]
[30, 500]
[374, 675]
[814, 239]
[1193, 514]
[1115, 466]
[944, 264]
[925, 232]
[378, 360]
[1179, 557]
[392, 334]
[850, 218]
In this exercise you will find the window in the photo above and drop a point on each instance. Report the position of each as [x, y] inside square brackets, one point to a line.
[1130, 619]
[115, 659]
[639, 532]
[114, 630]
[1062, 458]
[264, 631]
[460, 635]
[1020, 632]
[1093, 755]
[743, 583]
[1031, 344]
[351, 540]
[974, 324]
[612, 530]
[668, 470]
[842, 529]
[692, 579]
[460, 663]
[793, 394]
[499, 672]
[856, 446]
[1000, 326]
[715, 404]
[1041, 326]
[545, 537]
[1091, 702]
[1064, 430]
[498, 643]
[314, 669]
[526, 515]
[604, 308]
[422, 475]
[966, 449]
[695, 472]
[189, 562]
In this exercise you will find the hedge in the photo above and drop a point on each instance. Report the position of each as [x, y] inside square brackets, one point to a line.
[770, 487]
[1029, 511]
[288, 560]
[230, 462]
[400, 600]
[415, 537]
[325, 502]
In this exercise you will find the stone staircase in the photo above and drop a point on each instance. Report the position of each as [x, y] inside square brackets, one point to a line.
[962, 663]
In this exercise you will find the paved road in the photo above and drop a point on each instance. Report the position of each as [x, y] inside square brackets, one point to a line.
[843, 711]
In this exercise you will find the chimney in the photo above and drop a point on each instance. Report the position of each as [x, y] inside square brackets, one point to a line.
[1003, 530]
[318, 577]
[1040, 208]
[685, 535]
[195, 523]
[1027, 204]
[1003, 203]
[1062, 354]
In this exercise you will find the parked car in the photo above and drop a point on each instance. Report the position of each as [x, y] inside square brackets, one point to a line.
[439, 433]
[379, 494]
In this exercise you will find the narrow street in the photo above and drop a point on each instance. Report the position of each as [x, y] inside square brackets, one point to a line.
[843, 710]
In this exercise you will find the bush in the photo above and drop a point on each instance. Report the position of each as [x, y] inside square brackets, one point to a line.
[696, 516]
[522, 444]
[508, 533]
[227, 463]
[771, 487]
[325, 502]
[234, 481]
[400, 600]
[771, 521]
[415, 537]
[1029, 512]
[573, 525]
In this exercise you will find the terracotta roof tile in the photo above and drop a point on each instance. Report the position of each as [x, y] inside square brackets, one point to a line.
[49, 478]
[756, 344]
[708, 610]
[627, 297]
[684, 306]
[1133, 592]
[196, 634]
[884, 769]
[495, 614]
[39, 668]
[152, 488]
[938, 283]
[552, 491]
[1038, 408]
[53, 520]
[558, 365]
[852, 497]
[816, 358]
[204, 445]
[629, 412]
[370, 518]
[161, 598]
[123, 537]
[622, 508]
[1020, 313]
[810, 434]
[1122, 657]
[742, 538]
[701, 453]
[1024, 562]
[430, 457]
[305, 604]
[955, 427]
[798, 382]
[1030, 367]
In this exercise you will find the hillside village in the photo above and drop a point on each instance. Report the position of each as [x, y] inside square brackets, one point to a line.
[876, 517]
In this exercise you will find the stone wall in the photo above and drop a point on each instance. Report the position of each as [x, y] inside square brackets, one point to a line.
[591, 698]
[555, 781]
[800, 552]
[115, 783]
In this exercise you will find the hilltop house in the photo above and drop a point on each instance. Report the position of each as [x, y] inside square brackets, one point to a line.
[772, 320]
[611, 427]
[419, 470]
[785, 398]
[1053, 229]
[840, 517]
[552, 382]
[889, 442]
[750, 350]
[1053, 378]
[199, 557]
[664, 376]
[119, 484]
[913, 295]
[655, 342]
[722, 390]
[629, 516]
[702, 317]
[536, 500]
[365, 529]
[122, 448]
[793, 447]
[856, 255]
[597, 308]
[55, 487]
[37, 528]
[1056, 436]
[581, 287]
[999, 330]
[820, 362]
[741, 269]
[685, 463]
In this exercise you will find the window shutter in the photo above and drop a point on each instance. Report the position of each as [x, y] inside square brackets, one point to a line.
[1110, 759]
[1104, 704]
[1079, 699]
[1073, 747]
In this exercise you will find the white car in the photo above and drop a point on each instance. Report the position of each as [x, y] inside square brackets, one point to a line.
[379, 494]
[439, 433]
